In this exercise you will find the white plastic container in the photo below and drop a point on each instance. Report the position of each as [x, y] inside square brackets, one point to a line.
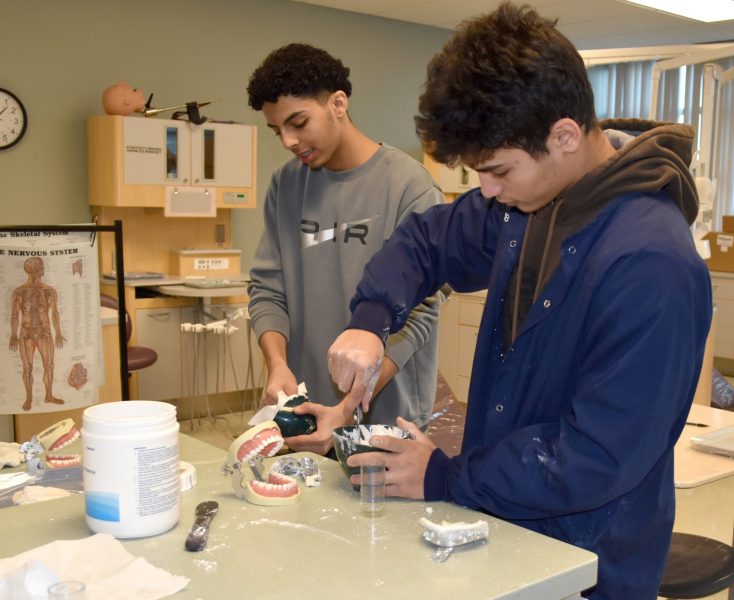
[130, 459]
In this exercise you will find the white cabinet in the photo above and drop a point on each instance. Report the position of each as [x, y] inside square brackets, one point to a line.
[457, 180]
[723, 290]
[159, 328]
[138, 161]
[458, 329]
[190, 363]
[452, 181]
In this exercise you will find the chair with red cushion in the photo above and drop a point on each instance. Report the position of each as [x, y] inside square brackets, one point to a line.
[138, 357]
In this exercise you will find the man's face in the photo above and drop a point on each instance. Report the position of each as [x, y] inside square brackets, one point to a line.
[308, 127]
[517, 179]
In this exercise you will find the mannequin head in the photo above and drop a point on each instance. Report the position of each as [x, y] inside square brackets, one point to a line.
[121, 99]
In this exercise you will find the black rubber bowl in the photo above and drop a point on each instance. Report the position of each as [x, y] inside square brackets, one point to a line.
[348, 441]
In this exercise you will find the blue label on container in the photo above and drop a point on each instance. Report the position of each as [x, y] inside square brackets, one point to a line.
[102, 506]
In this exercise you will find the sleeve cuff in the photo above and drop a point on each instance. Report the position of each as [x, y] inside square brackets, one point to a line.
[372, 316]
[435, 483]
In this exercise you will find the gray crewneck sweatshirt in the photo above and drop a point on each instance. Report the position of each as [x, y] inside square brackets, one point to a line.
[321, 228]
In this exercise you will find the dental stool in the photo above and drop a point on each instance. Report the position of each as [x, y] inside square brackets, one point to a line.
[138, 357]
[697, 567]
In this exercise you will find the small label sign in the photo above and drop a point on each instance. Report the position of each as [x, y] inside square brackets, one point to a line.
[211, 264]
[234, 198]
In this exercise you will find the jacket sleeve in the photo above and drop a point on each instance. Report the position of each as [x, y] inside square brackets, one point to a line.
[450, 244]
[639, 360]
[402, 345]
[267, 306]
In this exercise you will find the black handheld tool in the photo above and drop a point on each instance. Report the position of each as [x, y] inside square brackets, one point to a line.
[197, 538]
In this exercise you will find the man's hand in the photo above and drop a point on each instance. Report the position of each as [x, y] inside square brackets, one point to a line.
[406, 461]
[355, 359]
[279, 378]
[328, 418]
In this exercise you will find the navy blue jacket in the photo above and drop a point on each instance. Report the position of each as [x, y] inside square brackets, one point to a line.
[571, 432]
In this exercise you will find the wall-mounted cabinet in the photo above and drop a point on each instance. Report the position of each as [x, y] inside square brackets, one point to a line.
[171, 164]
[458, 179]
[452, 181]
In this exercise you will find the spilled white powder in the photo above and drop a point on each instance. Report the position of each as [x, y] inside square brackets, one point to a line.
[206, 565]
[290, 525]
[31, 494]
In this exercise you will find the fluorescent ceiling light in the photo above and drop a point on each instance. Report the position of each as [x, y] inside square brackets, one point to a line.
[707, 11]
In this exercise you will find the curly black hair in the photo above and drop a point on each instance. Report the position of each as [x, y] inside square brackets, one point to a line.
[297, 70]
[502, 80]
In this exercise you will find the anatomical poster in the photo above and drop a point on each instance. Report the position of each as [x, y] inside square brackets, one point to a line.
[50, 331]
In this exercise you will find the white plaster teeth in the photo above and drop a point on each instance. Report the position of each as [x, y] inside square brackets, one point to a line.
[448, 534]
[275, 440]
[73, 438]
[275, 486]
[63, 461]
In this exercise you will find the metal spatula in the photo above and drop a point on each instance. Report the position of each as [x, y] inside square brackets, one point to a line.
[199, 534]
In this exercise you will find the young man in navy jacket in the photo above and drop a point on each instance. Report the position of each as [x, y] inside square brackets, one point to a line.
[598, 305]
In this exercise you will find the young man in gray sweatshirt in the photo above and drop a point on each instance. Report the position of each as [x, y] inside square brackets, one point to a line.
[327, 211]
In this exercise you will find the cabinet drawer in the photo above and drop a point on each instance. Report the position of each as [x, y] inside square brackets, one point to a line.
[724, 348]
[467, 345]
[470, 311]
[724, 313]
[462, 389]
[722, 288]
[159, 328]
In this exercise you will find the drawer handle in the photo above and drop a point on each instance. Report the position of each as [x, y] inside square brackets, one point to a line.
[159, 315]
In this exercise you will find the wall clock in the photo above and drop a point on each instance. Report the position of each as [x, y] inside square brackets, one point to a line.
[13, 119]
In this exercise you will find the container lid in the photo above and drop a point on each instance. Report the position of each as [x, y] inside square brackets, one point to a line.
[128, 414]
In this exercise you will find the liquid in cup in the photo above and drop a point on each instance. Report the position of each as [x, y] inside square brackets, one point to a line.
[372, 489]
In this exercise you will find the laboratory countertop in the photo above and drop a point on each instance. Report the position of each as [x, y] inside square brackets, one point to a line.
[170, 285]
[145, 281]
[693, 467]
[323, 546]
[186, 291]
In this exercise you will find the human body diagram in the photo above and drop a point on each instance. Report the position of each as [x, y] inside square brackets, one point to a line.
[33, 312]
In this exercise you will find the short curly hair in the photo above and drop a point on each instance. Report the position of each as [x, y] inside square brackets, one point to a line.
[297, 70]
[501, 81]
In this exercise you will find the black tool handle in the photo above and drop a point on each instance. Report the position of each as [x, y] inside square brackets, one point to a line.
[199, 534]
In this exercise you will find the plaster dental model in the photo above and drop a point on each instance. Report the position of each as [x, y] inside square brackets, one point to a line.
[250, 483]
[56, 437]
[11, 455]
[448, 535]
[31, 494]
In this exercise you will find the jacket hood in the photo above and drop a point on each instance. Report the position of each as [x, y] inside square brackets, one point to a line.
[651, 157]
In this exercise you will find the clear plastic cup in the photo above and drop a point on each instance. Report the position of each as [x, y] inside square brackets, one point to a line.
[372, 489]
[67, 590]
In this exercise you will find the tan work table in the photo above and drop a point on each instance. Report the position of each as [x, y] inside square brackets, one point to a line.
[323, 547]
[704, 484]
